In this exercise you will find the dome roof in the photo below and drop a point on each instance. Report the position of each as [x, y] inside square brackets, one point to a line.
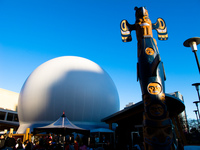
[72, 84]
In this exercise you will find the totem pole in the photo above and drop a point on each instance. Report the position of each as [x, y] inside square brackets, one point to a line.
[157, 126]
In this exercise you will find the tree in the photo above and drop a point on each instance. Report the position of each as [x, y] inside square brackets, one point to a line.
[193, 125]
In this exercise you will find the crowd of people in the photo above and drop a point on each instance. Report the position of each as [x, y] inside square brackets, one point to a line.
[57, 142]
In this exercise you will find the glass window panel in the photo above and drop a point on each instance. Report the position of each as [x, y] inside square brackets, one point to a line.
[10, 117]
[2, 115]
[16, 117]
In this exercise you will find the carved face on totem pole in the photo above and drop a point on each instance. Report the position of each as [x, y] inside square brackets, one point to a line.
[143, 23]
[158, 139]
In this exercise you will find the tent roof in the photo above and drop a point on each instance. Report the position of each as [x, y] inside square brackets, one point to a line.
[61, 126]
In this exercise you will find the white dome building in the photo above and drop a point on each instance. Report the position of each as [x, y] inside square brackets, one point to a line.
[75, 85]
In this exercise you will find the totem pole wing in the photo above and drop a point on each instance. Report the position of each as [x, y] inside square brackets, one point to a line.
[126, 29]
[161, 29]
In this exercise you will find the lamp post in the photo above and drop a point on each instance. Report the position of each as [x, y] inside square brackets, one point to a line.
[197, 118]
[197, 88]
[196, 103]
[193, 42]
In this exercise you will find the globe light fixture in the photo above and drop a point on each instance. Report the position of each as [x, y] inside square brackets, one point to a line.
[193, 42]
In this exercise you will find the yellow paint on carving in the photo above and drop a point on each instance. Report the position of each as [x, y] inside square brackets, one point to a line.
[161, 24]
[163, 96]
[124, 26]
[154, 88]
[144, 27]
[149, 51]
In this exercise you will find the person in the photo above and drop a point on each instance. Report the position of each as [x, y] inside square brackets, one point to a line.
[2, 142]
[19, 144]
[96, 139]
[75, 145]
[103, 138]
[69, 146]
[78, 138]
[9, 143]
[72, 138]
[28, 145]
[39, 145]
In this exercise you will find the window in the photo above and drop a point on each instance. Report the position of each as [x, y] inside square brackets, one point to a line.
[10, 117]
[2, 115]
[16, 118]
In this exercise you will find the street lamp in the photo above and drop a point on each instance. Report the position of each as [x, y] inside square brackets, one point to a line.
[197, 117]
[193, 42]
[197, 88]
[196, 103]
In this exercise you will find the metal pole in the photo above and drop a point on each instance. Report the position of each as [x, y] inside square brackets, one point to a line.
[197, 60]
[193, 42]
[197, 118]
[197, 88]
[198, 94]
[197, 109]
[196, 103]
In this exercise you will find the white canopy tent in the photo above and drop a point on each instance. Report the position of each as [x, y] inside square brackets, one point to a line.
[61, 126]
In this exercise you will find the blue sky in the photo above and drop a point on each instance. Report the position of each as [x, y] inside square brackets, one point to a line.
[35, 31]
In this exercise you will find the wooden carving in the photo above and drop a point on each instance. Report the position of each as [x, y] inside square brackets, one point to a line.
[157, 126]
